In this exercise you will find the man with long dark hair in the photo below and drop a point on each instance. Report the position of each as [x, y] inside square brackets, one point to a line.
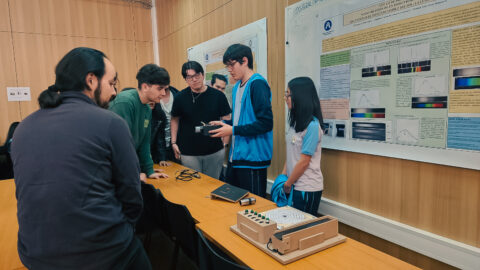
[251, 125]
[77, 174]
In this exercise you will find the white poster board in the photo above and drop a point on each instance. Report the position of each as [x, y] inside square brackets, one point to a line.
[210, 53]
[396, 78]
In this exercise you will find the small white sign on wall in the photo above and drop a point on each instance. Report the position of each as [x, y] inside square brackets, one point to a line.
[18, 93]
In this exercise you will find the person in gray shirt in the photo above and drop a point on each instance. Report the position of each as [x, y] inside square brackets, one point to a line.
[77, 174]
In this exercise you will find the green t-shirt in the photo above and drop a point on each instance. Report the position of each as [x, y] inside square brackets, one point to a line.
[127, 104]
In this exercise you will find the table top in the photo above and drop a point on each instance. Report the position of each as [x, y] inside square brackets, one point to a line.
[195, 194]
[214, 218]
[8, 233]
[348, 255]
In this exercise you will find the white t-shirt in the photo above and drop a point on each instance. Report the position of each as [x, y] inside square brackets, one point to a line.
[306, 142]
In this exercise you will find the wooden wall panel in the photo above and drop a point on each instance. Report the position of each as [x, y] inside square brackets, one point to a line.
[47, 17]
[4, 16]
[9, 111]
[168, 12]
[44, 30]
[144, 53]
[440, 199]
[142, 23]
[122, 53]
[105, 19]
[31, 65]
[35, 69]
[123, 56]
[172, 15]
[202, 8]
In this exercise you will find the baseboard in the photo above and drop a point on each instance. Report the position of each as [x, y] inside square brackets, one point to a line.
[434, 246]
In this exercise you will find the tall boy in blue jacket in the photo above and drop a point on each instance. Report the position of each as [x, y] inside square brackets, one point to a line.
[251, 125]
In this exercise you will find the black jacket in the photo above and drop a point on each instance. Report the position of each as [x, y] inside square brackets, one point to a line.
[158, 145]
[77, 186]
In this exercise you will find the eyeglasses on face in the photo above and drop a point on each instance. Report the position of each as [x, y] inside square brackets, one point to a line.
[195, 76]
[231, 64]
[287, 95]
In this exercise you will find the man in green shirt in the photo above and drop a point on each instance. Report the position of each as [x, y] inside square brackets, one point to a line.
[132, 105]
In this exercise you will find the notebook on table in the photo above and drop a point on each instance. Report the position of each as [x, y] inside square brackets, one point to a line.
[229, 193]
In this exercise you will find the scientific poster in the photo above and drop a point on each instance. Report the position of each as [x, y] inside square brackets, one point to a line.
[398, 78]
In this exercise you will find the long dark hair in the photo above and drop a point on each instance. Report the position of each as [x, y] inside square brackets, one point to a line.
[305, 103]
[71, 72]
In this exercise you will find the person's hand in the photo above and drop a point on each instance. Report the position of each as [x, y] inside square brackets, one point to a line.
[287, 188]
[157, 175]
[164, 163]
[176, 151]
[224, 131]
[143, 177]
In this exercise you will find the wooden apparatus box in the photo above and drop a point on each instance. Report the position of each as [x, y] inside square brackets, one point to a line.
[288, 242]
[304, 235]
[256, 226]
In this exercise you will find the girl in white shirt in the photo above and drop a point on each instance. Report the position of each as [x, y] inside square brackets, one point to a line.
[303, 137]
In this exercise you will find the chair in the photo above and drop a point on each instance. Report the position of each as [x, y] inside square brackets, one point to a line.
[154, 215]
[162, 215]
[182, 230]
[211, 259]
[6, 165]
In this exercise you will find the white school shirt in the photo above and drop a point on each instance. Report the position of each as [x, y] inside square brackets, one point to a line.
[306, 142]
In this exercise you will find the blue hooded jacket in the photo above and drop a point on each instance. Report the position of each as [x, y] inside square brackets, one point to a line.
[278, 195]
[253, 135]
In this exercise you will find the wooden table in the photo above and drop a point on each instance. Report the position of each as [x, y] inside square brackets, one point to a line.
[348, 255]
[9, 227]
[214, 218]
[195, 194]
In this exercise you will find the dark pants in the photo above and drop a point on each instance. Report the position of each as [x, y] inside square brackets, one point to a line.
[253, 180]
[307, 201]
[134, 258]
